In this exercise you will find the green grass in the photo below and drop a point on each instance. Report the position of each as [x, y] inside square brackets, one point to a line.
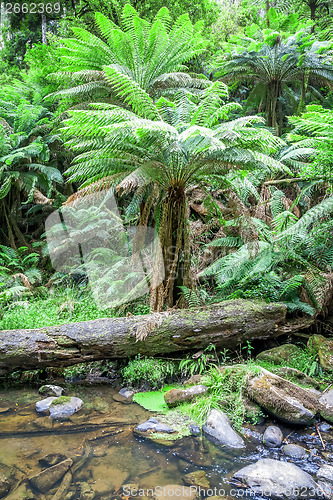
[59, 307]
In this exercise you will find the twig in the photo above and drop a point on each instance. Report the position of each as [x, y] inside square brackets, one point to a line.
[327, 388]
[321, 439]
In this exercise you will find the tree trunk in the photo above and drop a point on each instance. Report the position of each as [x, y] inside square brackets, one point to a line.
[226, 325]
[44, 41]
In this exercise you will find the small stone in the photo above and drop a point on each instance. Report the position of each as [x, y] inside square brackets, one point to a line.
[195, 430]
[51, 390]
[272, 437]
[294, 451]
[48, 477]
[126, 393]
[197, 478]
[325, 474]
[325, 427]
[145, 426]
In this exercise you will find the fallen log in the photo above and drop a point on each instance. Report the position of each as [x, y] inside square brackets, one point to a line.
[226, 325]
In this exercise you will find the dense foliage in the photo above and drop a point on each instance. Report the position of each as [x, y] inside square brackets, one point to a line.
[210, 122]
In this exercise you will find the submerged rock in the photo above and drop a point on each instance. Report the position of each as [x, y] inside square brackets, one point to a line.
[278, 480]
[125, 395]
[175, 397]
[52, 459]
[219, 428]
[273, 437]
[326, 406]
[294, 451]
[48, 477]
[51, 390]
[285, 352]
[285, 400]
[196, 478]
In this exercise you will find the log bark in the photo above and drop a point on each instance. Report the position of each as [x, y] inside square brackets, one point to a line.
[226, 325]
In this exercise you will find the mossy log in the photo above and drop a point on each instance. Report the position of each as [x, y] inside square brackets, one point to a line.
[226, 325]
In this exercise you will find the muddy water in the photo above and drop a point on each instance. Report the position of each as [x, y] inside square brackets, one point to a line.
[107, 455]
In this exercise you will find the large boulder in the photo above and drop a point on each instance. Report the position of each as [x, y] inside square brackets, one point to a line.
[218, 428]
[175, 397]
[44, 481]
[278, 480]
[280, 354]
[326, 406]
[283, 399]
[325, 473]
[273, 437]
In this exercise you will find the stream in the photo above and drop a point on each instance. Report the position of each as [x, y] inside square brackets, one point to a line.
[106, 455]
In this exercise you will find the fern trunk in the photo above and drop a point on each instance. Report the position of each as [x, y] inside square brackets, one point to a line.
[226, 325]
[175, 250]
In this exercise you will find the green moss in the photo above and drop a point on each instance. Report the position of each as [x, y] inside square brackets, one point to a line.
[61, 400]
[153, 400]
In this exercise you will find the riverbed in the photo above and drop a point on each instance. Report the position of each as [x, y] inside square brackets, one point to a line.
[109, 461]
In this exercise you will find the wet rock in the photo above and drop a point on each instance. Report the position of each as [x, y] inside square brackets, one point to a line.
[51, 390]
[325, 474]
[126, 392]
[49, 477]
[175, 397]
[125, 395]
[325, 354]
[278, 480]
[194, 380]
[294, 451]
[196, 478]
[285, 400]
[180, 492]
[285, 352]
[62, 408]
[43, 405]
[272, 437]
[52, 459]
[218, 427]
[4, 409]
[86, 492]
[195, 430]
[153, 425]
[326, 406]
[325, 427]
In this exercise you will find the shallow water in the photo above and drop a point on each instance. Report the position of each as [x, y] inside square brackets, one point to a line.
[107, 455]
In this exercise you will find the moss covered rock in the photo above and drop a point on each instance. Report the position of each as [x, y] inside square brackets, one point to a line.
[283, 399]
[325, 354]
[278, 355]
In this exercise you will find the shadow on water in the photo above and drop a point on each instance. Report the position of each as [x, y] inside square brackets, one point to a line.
[105, 453]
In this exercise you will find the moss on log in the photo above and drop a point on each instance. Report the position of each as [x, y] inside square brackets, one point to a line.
[226, 325]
